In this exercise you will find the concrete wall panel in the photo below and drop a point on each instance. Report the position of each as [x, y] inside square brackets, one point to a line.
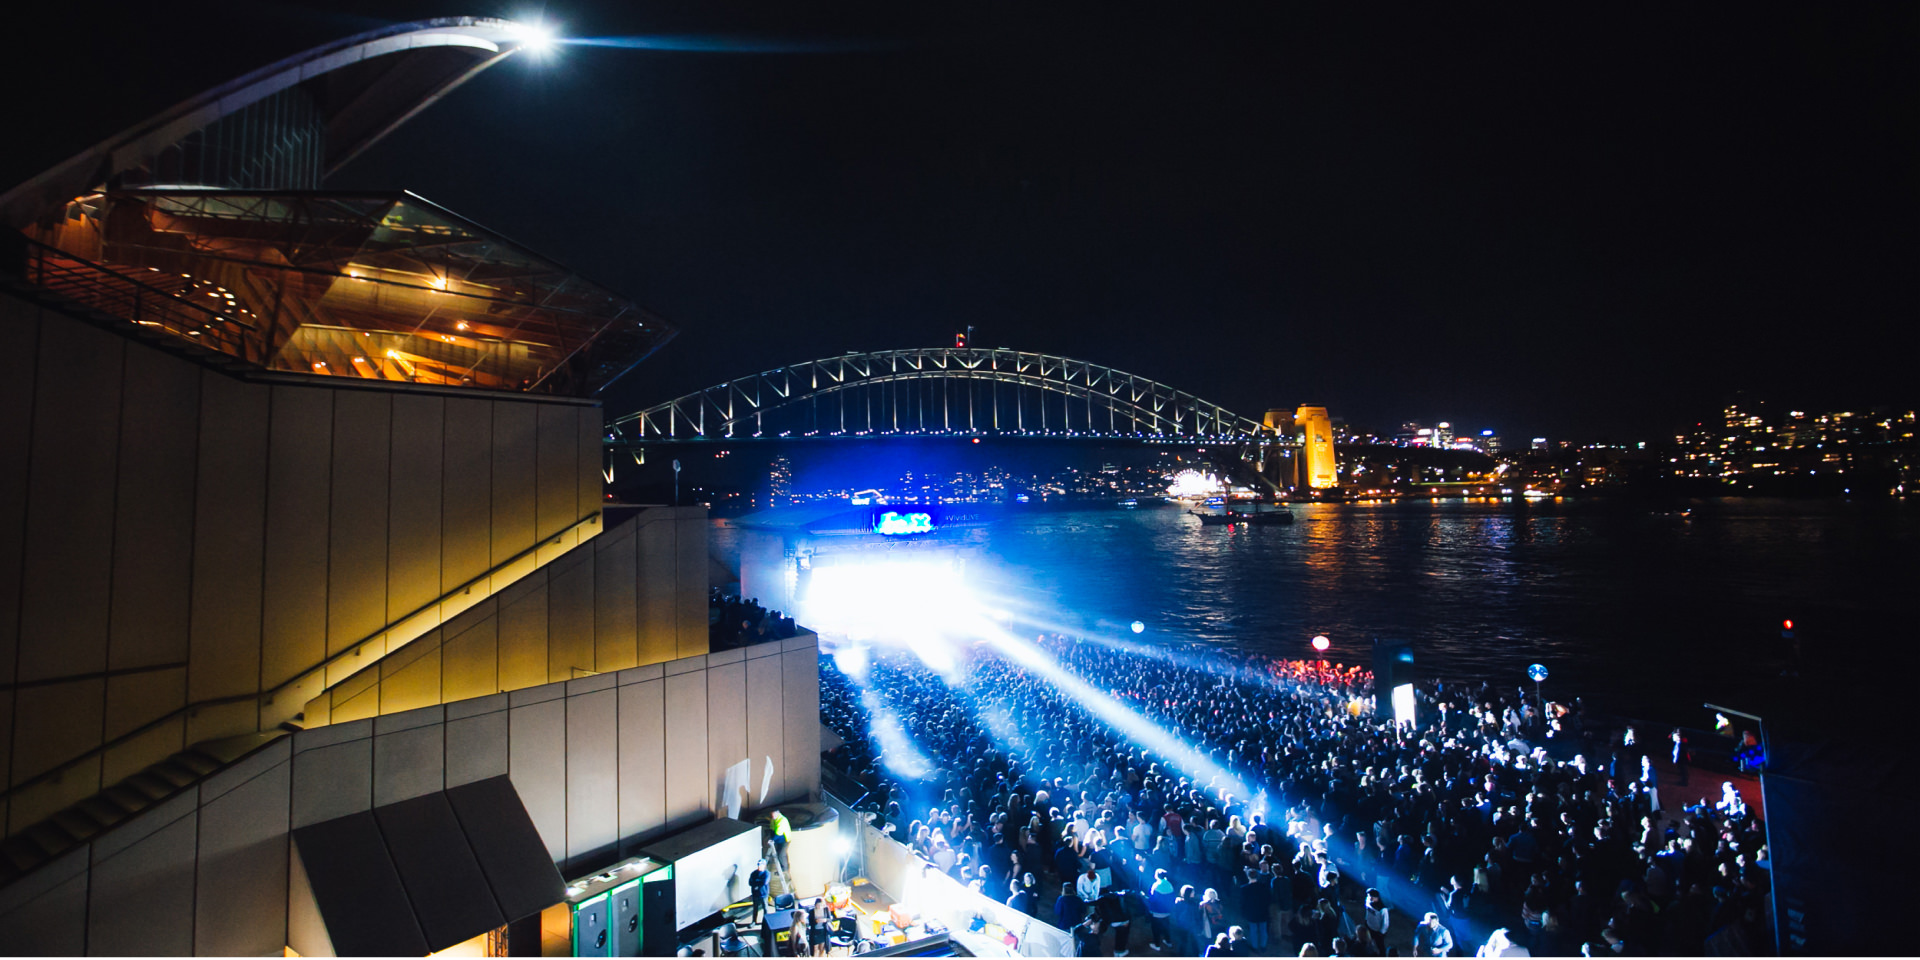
[357, 540]
[657, 622]
[523, 634]
[413, 523]
[801, 694]
[514, 435]
[766, 716]
[45, 914]
[469, 663]
[135, 699]
[476, 748]
[537, 762]
[643, 758]
[726, 723]
[141, 897]
[70, 492]
[690, 582]
[153, 528]
[229, 534]
[593, 455]
[20, 324]
[56, 721]
[559, 468]
[688, 795]
[333, 780]
[593, 776]
[241, 887]
[294, 622]
[410, 676]
[408, 763]
[570, 616]
[466, 505]
[614, 643]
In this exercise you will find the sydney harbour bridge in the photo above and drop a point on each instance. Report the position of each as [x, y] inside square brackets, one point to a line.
[942, 391]
[978, 392]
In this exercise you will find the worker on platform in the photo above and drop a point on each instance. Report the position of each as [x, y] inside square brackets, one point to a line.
[782, 833]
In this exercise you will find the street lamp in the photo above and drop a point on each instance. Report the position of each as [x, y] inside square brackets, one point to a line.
[1139, 627]
[1321, 644]
[1538, 672]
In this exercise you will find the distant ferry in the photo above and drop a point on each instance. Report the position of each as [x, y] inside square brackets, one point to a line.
[1282, 516]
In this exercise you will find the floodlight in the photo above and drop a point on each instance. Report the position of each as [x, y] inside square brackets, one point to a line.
[536, 36]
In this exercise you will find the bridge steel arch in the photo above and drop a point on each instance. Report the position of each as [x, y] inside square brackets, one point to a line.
[1112, 403]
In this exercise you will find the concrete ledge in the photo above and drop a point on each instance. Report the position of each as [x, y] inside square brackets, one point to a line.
[331, 734]
[686, 665]
[539, 694]
[476, 706]
[603, 681]
[652, 671]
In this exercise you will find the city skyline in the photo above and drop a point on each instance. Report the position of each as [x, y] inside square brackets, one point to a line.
[1578, 237]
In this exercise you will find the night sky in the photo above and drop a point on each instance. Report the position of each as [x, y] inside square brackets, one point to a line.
[1591, 222]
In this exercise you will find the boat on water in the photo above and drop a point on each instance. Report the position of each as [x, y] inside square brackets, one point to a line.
[1263, 518]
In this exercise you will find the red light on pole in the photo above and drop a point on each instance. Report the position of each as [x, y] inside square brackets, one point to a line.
[1786, 624]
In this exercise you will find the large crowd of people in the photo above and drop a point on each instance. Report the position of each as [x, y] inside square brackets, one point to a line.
[1468, 831]
[733, 622]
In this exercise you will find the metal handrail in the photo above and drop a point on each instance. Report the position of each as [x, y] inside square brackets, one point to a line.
[129, 298]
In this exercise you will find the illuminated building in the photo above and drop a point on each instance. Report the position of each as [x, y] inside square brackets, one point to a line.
[1316, 444]
[308, 547]
[780, 480]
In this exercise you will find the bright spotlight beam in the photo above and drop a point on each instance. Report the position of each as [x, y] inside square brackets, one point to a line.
[721, 44]
[1142, 731]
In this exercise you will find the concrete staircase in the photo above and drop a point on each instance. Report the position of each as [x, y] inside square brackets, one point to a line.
[47, 840]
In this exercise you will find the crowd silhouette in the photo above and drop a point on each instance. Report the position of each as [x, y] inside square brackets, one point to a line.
[1469, 831]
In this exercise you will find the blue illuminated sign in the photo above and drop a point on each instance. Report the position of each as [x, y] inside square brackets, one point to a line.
[899, 524]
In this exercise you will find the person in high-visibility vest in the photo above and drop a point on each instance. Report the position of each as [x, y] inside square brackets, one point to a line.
[782, 832]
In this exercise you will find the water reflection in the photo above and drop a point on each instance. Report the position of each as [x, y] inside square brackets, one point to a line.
[1615, 599]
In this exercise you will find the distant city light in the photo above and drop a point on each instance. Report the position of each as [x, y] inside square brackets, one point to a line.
[1486, 433]
[1192, 483]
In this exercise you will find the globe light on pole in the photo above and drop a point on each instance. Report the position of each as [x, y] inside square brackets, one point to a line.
[1139, 627]
[1321, 643]
[1537, 672]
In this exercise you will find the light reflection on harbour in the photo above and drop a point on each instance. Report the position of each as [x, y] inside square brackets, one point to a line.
[1629, 607]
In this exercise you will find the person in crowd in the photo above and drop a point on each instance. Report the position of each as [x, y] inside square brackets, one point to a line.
[1218, 948]
[1187, 923]
[1068, 908]
[1088, 886]
[1213, 915]
[1499, 945]
[797, 943]
[1086, 936]
[1162, 903]
[1432, 938]
[1020, 895]
[1238, 943]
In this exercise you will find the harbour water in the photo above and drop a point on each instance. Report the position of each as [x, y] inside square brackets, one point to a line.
[1638, 611]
